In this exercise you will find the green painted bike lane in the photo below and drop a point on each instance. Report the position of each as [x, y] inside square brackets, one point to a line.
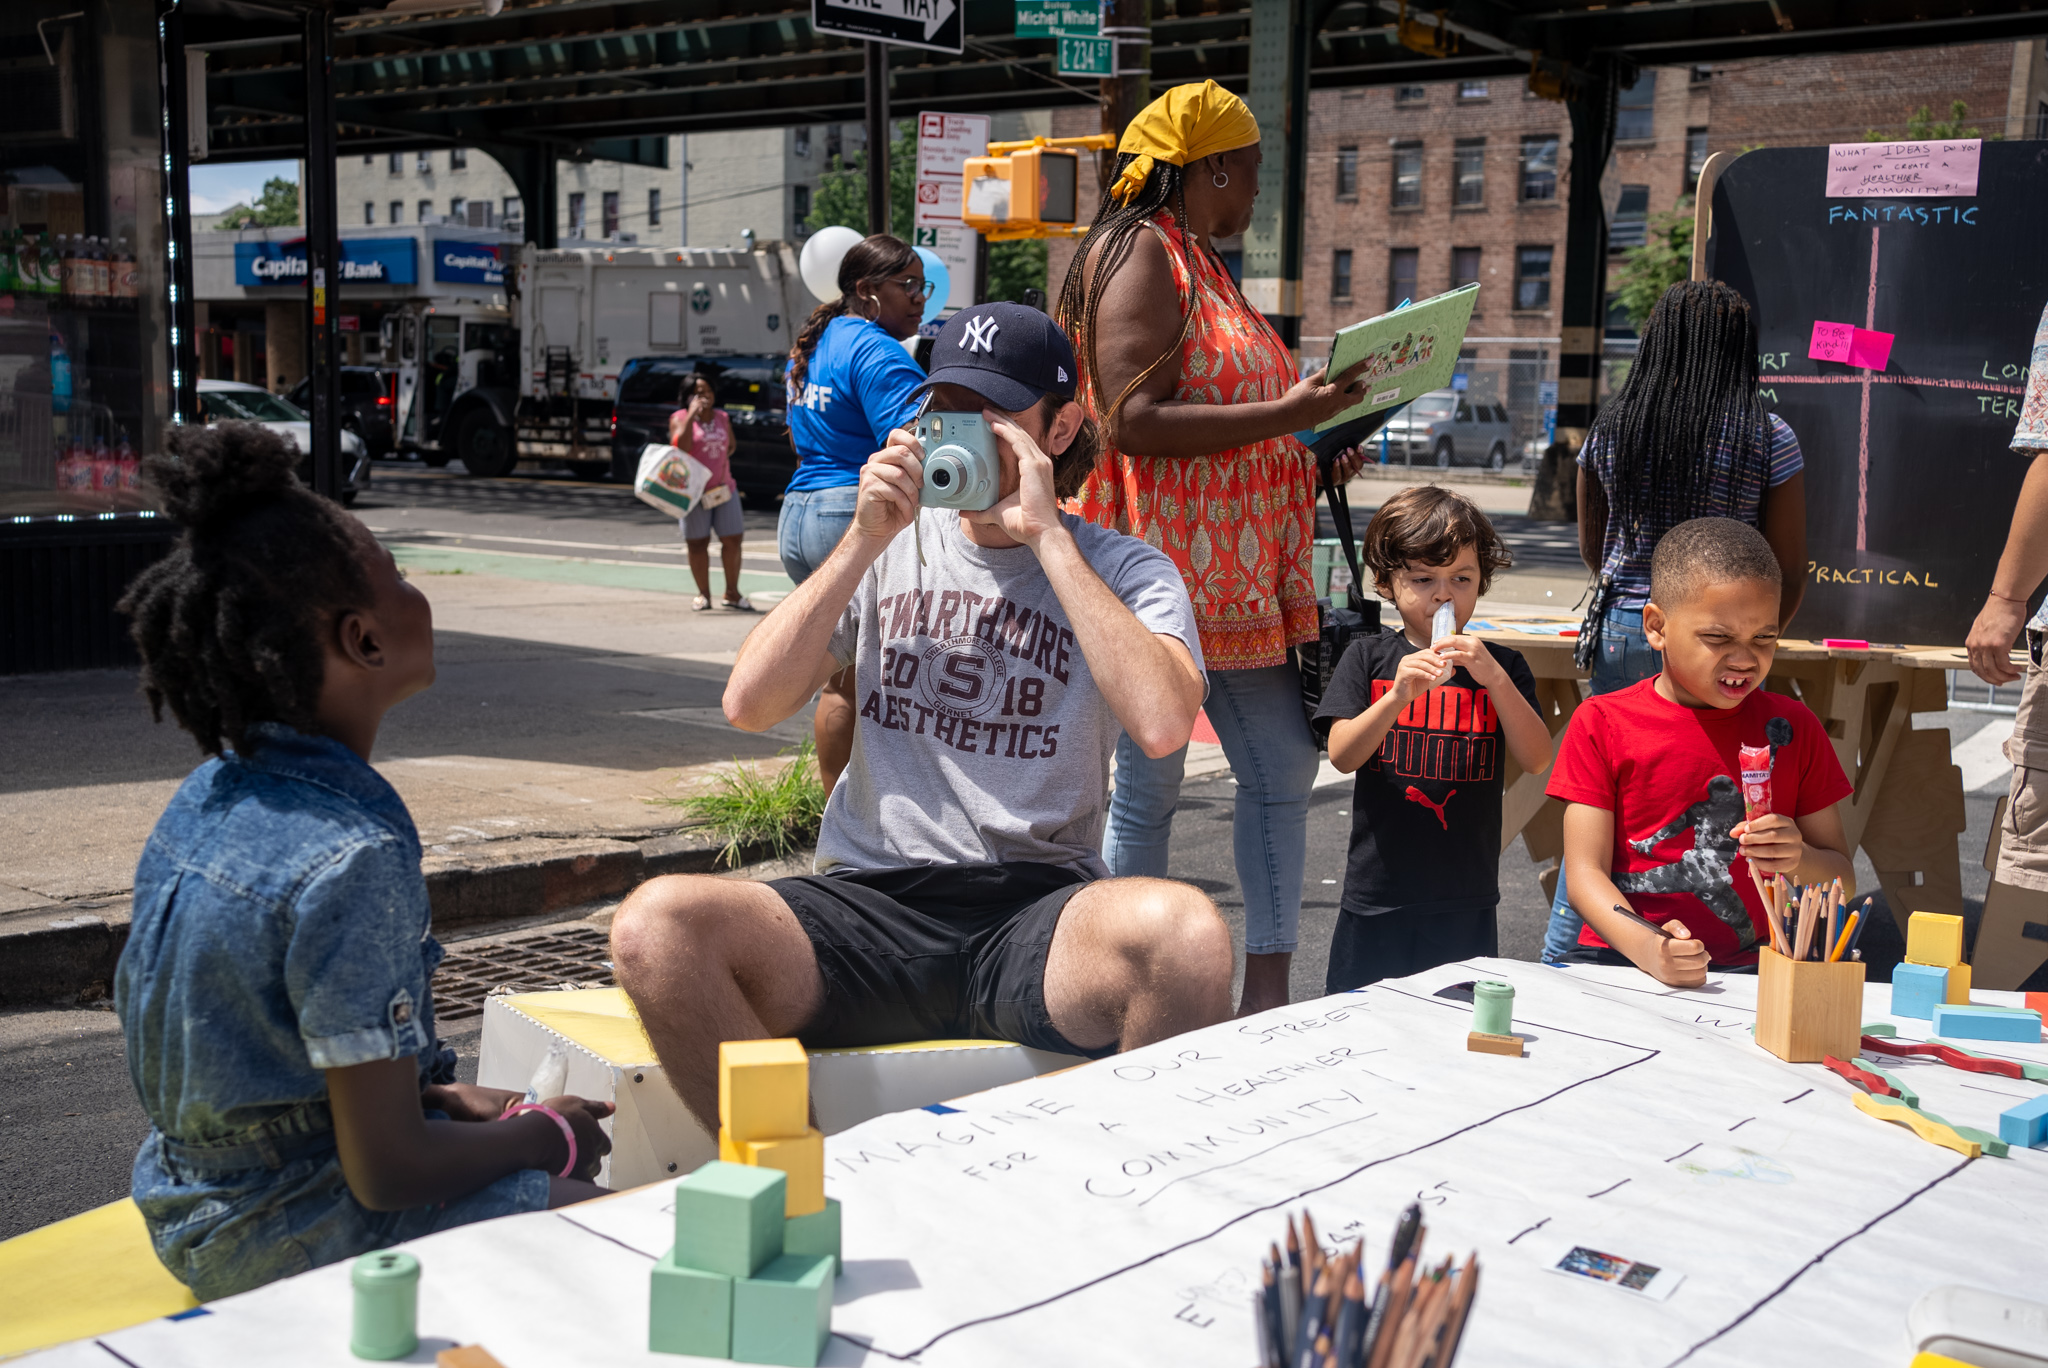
[664, 579]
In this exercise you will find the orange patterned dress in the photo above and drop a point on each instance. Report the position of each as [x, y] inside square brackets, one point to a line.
[1240, 524]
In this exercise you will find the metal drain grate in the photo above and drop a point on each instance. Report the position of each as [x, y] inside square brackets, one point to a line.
[573, 958]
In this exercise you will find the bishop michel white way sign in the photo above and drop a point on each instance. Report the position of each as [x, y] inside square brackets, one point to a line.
[933, 24]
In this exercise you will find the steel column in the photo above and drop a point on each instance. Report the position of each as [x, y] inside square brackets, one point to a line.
[323, 254]
[1278, 96]
[1130, 90]
[177, 118]
[1582, 303]
[878, 137]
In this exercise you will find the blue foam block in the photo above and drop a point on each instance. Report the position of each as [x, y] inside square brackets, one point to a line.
[1986, 1023]
[2026, 1124]
[1917, 989]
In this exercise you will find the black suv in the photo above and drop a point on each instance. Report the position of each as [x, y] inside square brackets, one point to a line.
[750, 390]
[366, 405]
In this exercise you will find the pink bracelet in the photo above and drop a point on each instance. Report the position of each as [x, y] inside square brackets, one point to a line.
[568, 1133]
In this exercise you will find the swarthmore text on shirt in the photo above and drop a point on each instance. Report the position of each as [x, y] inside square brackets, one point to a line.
[990, 660]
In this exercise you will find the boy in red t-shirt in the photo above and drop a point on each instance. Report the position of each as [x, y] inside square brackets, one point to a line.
[1655, 818]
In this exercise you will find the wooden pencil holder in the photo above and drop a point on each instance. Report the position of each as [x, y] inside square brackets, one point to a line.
[1806, 1010]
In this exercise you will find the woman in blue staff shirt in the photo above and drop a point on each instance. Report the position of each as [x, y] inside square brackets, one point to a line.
[850, 383]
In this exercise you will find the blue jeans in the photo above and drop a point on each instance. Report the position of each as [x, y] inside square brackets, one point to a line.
[812, 522]
[1257, 716]
[1625, 658]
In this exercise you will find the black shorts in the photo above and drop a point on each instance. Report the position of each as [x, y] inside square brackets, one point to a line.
[1402, 942]
[933, 952]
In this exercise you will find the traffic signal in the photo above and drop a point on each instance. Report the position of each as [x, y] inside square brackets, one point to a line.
[1027, 189]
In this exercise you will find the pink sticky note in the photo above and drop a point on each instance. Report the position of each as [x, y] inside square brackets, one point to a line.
[1872, 349]
[1885, 169]
[1831, 341]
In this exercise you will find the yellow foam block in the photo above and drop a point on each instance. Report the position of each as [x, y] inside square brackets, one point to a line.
[800, 1156]
[1958, 986]
[764, 1089]
[89, 1275]
[1934, 938]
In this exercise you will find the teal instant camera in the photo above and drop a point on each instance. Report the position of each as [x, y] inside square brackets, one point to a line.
[961, 468]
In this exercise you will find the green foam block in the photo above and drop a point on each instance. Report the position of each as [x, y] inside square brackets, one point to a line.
[729, 1218]
[689, 1311]
[817, 1233]
[783, 1314]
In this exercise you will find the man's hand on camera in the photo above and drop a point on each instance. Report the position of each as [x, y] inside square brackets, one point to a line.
[890, 484]
[1032, 511]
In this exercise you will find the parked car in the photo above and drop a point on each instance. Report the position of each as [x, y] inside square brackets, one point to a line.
[231, 401]
[1446, 427]
[366, 405]
[750, 390]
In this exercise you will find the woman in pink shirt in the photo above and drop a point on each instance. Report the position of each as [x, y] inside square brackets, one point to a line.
[703, 431]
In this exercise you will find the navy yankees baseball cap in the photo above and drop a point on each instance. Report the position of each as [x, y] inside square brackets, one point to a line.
[1009, 354]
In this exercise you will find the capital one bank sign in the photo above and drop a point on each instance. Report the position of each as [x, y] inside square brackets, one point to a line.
[364, 261]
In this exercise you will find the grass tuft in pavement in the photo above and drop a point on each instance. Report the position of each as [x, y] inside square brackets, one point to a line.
[751, 809]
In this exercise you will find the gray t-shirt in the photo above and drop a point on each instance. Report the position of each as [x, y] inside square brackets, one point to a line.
[980, 735]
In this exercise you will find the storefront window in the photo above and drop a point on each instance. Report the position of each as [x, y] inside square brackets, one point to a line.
[83, 382]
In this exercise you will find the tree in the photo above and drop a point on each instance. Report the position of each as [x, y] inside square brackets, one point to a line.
[276, 207]
[1920, 127]
[1664, 259]
[842, 200]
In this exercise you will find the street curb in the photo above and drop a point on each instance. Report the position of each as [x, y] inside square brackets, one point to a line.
[67, 951]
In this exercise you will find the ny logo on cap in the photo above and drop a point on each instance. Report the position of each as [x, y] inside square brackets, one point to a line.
[981, 335]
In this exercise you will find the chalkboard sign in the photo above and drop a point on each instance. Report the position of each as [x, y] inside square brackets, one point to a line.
[1910, 479]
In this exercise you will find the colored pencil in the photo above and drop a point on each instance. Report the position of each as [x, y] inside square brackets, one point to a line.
[1350, 1333]
[1290, 1291]
[1842, 943]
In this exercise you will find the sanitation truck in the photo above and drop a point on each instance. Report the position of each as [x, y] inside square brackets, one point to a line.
[532, 383]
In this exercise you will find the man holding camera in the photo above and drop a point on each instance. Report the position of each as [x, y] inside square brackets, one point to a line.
[999, 652]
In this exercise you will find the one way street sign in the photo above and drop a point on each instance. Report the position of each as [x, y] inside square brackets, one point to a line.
[933, 24]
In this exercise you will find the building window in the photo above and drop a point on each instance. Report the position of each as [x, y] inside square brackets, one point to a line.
[397, 211]
[1701, 75]
[1464, 266]
[1408, 175]
[835, 146]
[2041, 120]
[424, 163]
[654, 208]
[1635, 114]
[1532, 277]
[426, 211]
[397, 164]
[576, 214]
[458, 159]
[1410, 94]
[458, 209]
[800, 142]
[1631, 218]
[1347, 173]
[1472, 90]
[512, 209]
[611, 212]
[1340, 274]
[1401, 275]
[1539, 167]
[1468, 172]
[369, 158]
[369, 211]
[1695, 153]
[800, 205]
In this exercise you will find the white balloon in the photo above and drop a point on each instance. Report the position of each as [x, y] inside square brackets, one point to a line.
[819, 264]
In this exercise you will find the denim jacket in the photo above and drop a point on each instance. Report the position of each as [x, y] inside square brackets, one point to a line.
[280, 929]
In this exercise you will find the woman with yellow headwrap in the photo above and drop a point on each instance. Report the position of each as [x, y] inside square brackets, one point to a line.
[1197, 400]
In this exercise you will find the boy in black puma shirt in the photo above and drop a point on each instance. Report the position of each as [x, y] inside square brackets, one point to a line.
[1428, 729]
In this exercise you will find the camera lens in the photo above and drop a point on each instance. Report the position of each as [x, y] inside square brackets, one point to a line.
[942, 477]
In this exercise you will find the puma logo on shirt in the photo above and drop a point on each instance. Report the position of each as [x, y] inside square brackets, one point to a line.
[1416, 795]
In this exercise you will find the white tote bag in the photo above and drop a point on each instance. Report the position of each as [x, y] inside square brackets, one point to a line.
[670, 480]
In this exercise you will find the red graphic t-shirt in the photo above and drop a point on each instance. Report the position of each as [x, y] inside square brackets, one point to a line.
[1668, 774]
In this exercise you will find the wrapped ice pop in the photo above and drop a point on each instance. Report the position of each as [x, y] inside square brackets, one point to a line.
[1755, 762]
[1442, 627]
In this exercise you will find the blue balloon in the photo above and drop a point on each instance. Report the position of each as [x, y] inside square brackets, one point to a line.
[940, 279]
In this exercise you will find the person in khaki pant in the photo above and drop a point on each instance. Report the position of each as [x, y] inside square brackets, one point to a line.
[2003, 949]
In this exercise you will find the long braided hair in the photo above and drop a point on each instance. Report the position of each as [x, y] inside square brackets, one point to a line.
[869, 261]
[1694, 380]
[229, 623]
[1111, 239]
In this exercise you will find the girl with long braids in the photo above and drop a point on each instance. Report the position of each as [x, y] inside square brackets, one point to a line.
[1196, 397]
[276, 989]
[850, 383]
[1687, 437]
